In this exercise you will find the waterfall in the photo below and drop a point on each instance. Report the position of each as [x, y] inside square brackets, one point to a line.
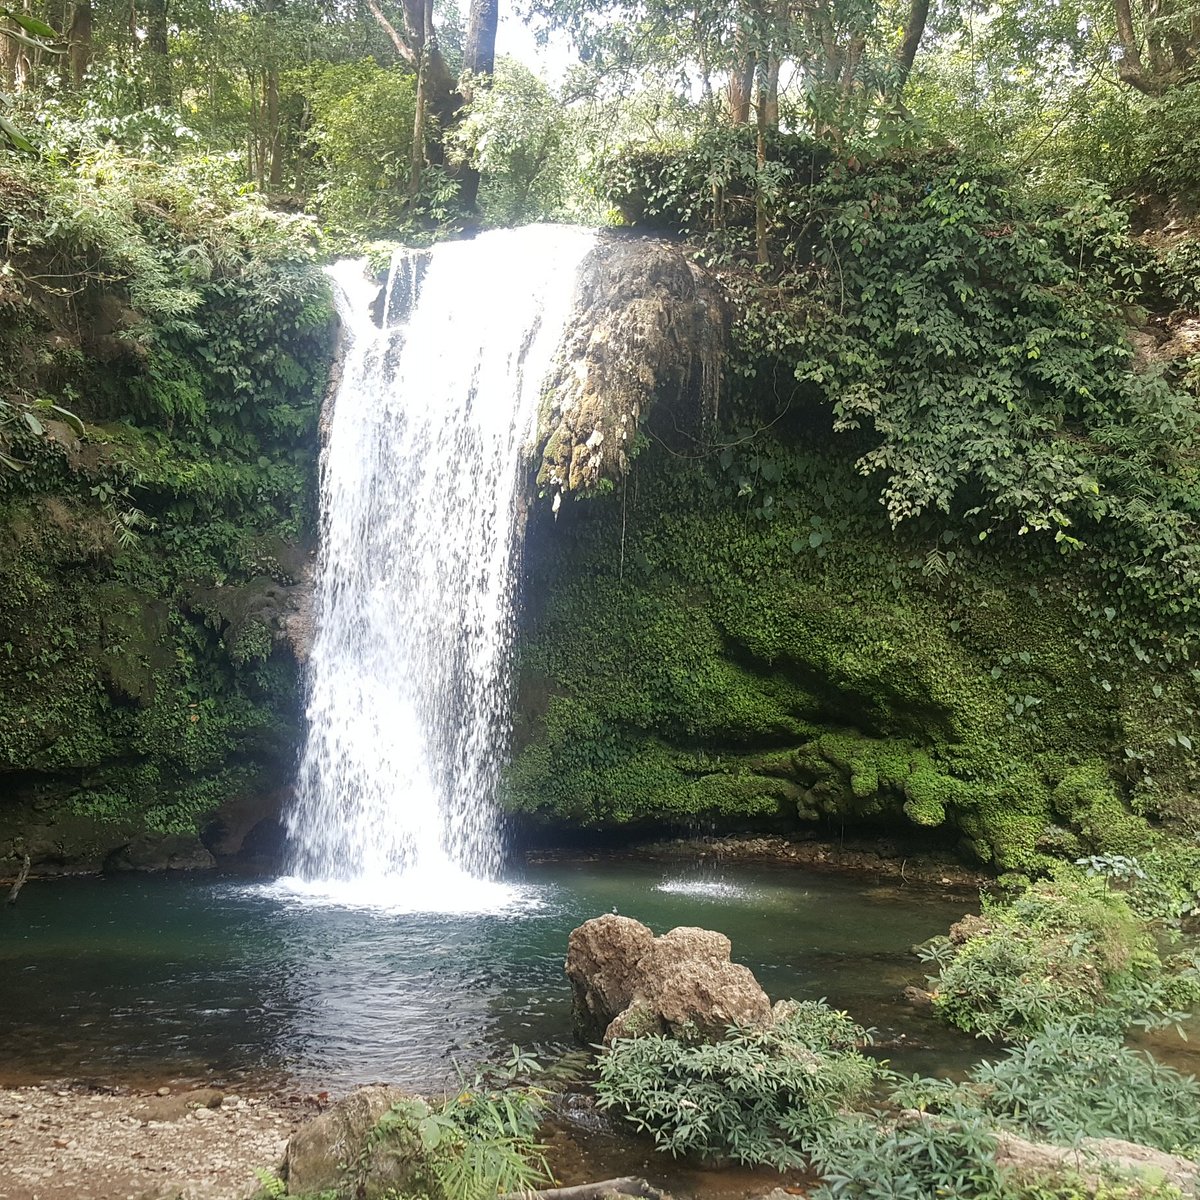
[408, 711]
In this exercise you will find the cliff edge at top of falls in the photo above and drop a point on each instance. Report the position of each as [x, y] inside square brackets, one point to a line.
[649, 325]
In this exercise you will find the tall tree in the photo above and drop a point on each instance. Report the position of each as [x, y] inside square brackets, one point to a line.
[1159, 42]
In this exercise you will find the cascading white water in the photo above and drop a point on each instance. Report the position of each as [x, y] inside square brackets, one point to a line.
[409, 674]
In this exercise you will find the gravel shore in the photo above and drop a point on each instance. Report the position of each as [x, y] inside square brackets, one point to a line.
[184, 1145]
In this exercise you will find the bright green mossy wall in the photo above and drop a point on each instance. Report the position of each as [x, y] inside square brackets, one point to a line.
[687, 658]
[153, 555]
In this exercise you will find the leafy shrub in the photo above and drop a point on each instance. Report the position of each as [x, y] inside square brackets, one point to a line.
[1170, 141]
[707, 182]
[1069, 1082]
[360, 138]
[479, 1142]
[860, 1158]
[916, 1158]
[758, 1096]
[1064, 948]
[516, 133]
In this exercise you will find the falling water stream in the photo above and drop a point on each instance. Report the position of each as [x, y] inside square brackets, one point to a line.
[420, 496]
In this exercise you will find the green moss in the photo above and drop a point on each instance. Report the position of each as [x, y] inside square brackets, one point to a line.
[146, 563]
[1067, 949]
[687, 658]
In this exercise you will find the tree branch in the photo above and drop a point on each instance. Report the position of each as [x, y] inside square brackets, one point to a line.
[1130, 69]
[405, 51]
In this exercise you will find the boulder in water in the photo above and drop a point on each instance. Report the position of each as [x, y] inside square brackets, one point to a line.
[602, 962]
[625, 982]
[336, 1153]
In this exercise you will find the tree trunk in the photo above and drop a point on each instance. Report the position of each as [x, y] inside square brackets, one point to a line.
[443, 99]
[740, 91]
[274, 132]
[762, 252]
[914, 30]
[156, 51]
[479, 61]
[417, 163]
[1130, 69]
[479, 56]
[8, 59]
[1170, 52]
[772, 97]
[79, 42]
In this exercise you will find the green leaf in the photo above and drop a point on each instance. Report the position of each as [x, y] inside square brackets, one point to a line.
[69, 418]
[430, 1131]
[34, 43]
[29, 23]
[14, 135]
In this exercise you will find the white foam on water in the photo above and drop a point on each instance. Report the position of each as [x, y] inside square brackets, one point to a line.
[706, 889]
[421, 490]
[416, 890]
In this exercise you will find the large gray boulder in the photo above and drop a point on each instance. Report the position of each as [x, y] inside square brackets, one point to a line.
[625, 982]
[336, 1153]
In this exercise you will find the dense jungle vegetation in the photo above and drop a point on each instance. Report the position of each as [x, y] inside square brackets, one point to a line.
[932, 564]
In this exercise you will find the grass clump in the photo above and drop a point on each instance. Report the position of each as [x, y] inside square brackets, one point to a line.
[758, 1096]
[1070, 1082]
[917, 1158]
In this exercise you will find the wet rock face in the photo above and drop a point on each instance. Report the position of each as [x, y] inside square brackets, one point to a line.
[625, 982]
[649, 326]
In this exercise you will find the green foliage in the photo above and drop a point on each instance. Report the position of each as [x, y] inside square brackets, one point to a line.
[1069, 1082]
[360, 136]
[756, 1096]
[704, 182]
[915, 1158]
[150, 532]
[480, 1142]
[516, 134]
[993, 380]
[747, 639]
[861, 1159]
[1071, 948]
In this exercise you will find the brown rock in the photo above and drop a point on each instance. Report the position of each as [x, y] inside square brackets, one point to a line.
[334, 1151]
[687, 980]
[165, 1107]
[649, 327]
[627, 983]
[602, 958]
[1094, 1157]
[969, 927]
